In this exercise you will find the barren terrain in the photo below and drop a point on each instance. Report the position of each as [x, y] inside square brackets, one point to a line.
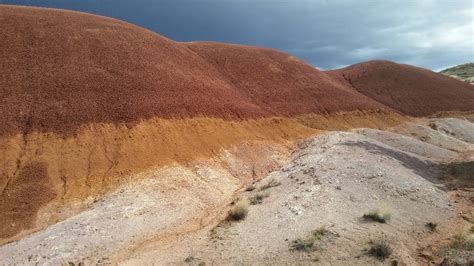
[121, 146]
[329, 181]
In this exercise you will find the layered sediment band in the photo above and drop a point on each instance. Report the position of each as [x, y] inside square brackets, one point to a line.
[38, 168]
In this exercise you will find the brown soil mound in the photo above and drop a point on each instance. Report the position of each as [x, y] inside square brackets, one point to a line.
[411, 90]
[62, 69]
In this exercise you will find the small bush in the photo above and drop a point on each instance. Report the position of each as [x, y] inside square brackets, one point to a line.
[318, 233]
[239, 210]
[380, 249]
[431, 226]
[189, 259]
[433, 126]
[377, 216]
[309, 244]
[250, 187]
[270, 184]
[258, 198]
[462, 241]
[300, 244]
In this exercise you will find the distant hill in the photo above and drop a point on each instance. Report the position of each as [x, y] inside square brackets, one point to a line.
[411, 90]
[464, 72]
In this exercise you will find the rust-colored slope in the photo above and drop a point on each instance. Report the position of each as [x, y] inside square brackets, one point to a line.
[62, 69]
[278, 83]
[411, 90]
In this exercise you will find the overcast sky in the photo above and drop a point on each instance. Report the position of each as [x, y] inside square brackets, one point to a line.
[325, 33]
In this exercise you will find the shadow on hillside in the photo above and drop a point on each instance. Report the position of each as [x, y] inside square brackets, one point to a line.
[430, 171]
[459, 174]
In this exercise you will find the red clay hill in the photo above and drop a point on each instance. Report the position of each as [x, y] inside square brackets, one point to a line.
[412, 90]
[61, 69]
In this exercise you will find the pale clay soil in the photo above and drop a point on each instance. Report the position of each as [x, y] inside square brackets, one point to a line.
[174, 215]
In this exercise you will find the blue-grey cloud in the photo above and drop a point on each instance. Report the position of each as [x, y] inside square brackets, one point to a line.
[325, 33]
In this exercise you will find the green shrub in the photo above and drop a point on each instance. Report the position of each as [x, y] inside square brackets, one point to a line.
[462, 241]
[380, 249]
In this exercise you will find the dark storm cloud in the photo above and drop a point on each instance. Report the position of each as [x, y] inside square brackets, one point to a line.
[324, 33]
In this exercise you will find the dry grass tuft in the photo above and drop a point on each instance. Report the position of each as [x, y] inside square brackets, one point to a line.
[309, 243]
[270, 184]
[380, 249]
[250, 187]
[239, 210]
[378, 216]
[258, 198]
[462, 241]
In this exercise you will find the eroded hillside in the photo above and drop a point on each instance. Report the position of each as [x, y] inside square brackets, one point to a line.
[103, 122]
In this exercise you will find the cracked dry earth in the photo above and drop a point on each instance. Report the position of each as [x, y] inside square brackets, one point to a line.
[419, 172]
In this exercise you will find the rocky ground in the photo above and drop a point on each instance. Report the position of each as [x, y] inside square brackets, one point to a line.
[309, 211]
